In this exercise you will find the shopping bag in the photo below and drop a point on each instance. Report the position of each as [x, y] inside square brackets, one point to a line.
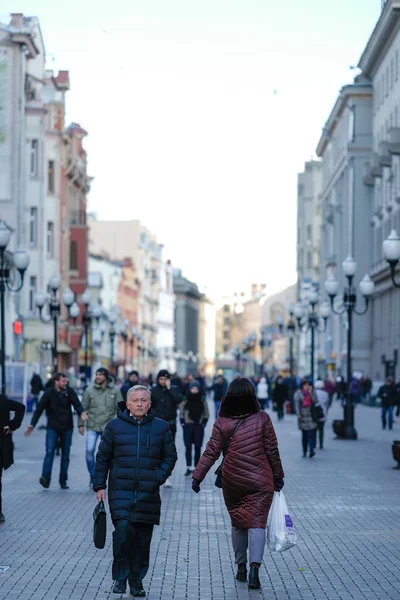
[281, 533]
[99, 525]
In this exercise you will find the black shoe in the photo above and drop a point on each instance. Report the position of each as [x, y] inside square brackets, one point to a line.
[137, 592]
[44, 482]
[254, 581]
[119, 587]
[188, 472]
[64, 486]
[2, 518]
[241, 574]
[57, 451]
[312, 454]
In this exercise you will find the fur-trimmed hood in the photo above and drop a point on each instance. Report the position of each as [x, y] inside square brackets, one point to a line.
[238, 406]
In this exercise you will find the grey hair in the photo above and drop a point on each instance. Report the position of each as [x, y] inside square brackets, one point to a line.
[137, 388]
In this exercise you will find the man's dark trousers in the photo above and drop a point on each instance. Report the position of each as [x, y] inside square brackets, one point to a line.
[52, 437]
[131, 551]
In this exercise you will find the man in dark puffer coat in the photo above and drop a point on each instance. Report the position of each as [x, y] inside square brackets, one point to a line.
[138, 454]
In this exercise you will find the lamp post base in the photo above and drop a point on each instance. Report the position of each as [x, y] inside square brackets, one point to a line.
[349, 430]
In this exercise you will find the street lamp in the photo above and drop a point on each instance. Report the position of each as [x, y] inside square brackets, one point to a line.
[391, 252]
[310, 319]
[132, 342]
[91, 312]
[19, 261]
[112, 317]
[68, 298]
[366, 286]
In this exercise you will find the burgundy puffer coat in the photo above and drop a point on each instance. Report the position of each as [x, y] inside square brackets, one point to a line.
[251, 464]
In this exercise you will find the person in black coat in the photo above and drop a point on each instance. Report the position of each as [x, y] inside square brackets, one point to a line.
[36, 388]
[133, 379]
[138, 454]
[7, 426]
[280, 395]
[165, 400]
[57, 402]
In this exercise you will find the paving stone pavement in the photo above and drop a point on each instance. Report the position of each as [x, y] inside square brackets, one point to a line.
[345, 504]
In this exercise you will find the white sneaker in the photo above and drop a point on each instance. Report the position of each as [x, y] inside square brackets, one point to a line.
[168, 484]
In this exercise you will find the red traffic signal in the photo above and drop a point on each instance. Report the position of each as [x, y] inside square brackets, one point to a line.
[17, 326]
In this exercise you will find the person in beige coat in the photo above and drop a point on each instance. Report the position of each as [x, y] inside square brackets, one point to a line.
[193, 414]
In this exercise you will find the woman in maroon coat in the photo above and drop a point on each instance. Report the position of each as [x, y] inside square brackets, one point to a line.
[251, 472]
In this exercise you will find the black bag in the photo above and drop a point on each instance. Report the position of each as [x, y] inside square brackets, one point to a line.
[317, 412]
[218, 472]
[99, 526]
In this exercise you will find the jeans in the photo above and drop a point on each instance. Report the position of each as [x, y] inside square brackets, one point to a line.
[193, 435]
[254, 539]
[131, 551]
[320, 428]
[1, 503]
[264, 403]
[308, 440]
[387, 410]
[217, 404]
[91, 441]
[51, 443]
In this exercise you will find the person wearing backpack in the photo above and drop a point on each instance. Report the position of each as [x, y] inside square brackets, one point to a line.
[305, 401]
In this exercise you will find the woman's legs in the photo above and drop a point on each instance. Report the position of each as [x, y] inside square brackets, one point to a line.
[256, 545]
[321, 425]
[198, 436]
[188, 440]
[240, 543]
[304, 441]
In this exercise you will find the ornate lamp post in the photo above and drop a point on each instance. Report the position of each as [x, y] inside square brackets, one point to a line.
[391, 251]
[91, 313]
[124, 335]
[310, 319]
[19, 261]
[112, 317]
[68, 298]
[132, 342]
[367, 287]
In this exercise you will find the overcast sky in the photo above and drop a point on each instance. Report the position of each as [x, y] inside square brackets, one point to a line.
[200, 113]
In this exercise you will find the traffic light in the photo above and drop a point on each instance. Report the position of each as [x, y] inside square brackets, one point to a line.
[17, 326]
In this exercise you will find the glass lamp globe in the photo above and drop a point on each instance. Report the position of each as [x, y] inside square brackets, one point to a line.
[86, 297]
[40, 299]
[298, 311]
[74, 310]
[68, 297]
[391, 247]
[325, 310]
[55, 282]
[21, 259]
[5, 235]
[331, 286]
[367, 286]
[349, 266]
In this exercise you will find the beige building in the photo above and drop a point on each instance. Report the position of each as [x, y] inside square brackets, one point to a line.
[207, 340]
[119, 240]
[275, 316]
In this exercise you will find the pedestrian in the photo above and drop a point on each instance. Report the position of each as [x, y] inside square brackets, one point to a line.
[387, 394]
[304, 399]
[262, 393]
[7, 426]
[324, 402]
[138, 454]
[219, 388]
[57, 402]
[252, 470]
[133, 379]
[398, 399]
[36, 388]
[330, 389]
[280, 395]
[165, 400]
[193, 413]
[100, 401]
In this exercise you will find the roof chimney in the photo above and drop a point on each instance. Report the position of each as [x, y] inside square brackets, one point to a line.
[17, 20]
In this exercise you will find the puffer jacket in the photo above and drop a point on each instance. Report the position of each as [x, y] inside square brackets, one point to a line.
[101, 404]
[137, 457]
[251, 463]
[164, 402]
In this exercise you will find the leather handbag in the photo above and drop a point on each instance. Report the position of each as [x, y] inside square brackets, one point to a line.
[99, 525]
[218, 472]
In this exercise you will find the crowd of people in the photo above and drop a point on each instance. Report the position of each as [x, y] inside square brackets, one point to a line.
[130, 430]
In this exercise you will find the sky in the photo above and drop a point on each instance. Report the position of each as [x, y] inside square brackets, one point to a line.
[201, 113]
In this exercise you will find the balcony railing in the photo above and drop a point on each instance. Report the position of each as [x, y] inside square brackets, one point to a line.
[77, 217]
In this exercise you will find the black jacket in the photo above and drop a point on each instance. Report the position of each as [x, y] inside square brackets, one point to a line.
[58, 409]
[36, 384]
[137, 458]
[280, 393]
[164, 403]
[387, 394]
[6, 444]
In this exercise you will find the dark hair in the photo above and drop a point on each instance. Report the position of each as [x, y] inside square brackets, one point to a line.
[241, 387]
[304, 382]
[58, 376]
[134, 373]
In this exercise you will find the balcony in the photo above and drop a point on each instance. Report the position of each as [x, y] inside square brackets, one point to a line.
[77, 217]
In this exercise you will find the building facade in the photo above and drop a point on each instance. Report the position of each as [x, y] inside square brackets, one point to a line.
[187, 312]
[165, 341]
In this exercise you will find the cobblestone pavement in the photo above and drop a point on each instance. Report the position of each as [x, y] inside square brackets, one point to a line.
[345, 504]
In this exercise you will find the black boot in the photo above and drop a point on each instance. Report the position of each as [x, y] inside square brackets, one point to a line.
[44, 482]
[188, 472]
[241, 574]
[2, 517]
[138, 591]
[254, 581]
[119, 587]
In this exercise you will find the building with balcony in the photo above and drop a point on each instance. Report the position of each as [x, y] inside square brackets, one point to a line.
[165, 341]
[187, 314]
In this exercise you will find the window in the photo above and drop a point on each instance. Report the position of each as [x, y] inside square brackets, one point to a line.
[32, 292]
[396, 66]
[309, 233]
[73, 256]
[226, 308]
[33, 226]
[50, 239]
[391, 73]
[34, 158]
[309, 260]
[50, 177]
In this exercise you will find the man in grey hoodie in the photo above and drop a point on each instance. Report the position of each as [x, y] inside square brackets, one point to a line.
[100, 401]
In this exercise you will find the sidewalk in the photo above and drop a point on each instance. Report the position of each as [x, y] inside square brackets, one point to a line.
[345, 504]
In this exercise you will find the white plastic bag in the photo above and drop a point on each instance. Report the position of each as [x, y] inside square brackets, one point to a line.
[281, 533]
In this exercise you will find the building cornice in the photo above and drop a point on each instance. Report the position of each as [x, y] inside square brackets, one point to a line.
[381, 38]
[351, 92]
